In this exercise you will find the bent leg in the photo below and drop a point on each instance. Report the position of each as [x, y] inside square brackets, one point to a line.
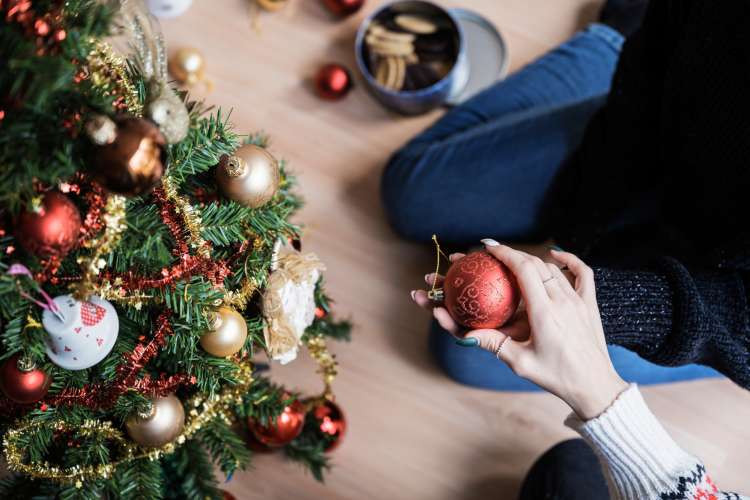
[502, 148]
[579, 69]
[492, 180]
[567, 471]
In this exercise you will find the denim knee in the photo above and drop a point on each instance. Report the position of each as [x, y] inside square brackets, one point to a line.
[401, 193]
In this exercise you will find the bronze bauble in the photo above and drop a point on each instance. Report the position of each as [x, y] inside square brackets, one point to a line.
[134, 161]
[161, 426]
[187, 65]
[250, 177]
[228, 334]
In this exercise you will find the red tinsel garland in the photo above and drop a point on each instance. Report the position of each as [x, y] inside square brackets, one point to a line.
[101, 396]
[189, 265]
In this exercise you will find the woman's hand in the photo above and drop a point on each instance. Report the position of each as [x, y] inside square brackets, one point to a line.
[557, 342]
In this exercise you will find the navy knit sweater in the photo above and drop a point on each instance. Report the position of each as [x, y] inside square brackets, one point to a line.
[661, 187]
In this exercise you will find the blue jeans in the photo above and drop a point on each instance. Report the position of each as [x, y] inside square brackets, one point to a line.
[487, 169]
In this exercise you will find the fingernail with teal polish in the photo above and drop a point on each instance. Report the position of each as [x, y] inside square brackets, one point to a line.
[468, 342]
[555, 247]
[490, 242]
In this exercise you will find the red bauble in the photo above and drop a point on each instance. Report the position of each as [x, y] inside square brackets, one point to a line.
[333, 81]
[284, 430]
[331, 421]
[53, 229]
[344, 7]
[23, 384]
[227, 495]
[480, 291]
[257, 446]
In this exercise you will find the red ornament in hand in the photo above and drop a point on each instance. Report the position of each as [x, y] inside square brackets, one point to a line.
[22, 382]
[333, 82]
[331, 421]
[284, 429]
[344, 7]
[480, 291]
[52, 228]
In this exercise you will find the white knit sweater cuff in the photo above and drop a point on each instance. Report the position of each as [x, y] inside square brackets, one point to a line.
[639, 458]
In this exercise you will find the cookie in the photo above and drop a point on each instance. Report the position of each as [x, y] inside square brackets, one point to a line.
[415, 24]
[387, 47]
[381, 33]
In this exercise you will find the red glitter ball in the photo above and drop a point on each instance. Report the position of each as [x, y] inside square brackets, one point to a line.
[480, 291]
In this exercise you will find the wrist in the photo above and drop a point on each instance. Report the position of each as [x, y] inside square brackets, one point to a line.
[592, 401]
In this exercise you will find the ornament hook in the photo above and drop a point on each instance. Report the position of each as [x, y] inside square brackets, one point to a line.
[436, 294]
[48, 304]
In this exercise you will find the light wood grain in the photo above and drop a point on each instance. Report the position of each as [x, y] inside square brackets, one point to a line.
[413, 434]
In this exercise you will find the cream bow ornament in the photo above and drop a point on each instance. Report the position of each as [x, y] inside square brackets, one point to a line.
[289, 303]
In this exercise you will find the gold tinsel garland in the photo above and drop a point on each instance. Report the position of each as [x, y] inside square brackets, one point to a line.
[114, 220]
[190, 217]
[201, 409]
[327, 365]
[109, 72]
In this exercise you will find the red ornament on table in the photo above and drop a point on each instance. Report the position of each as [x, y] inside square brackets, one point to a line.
[23, 382]
[284, 429]
[227, 496]
[331, 421]
[480, 291]
[333, 82]
[344, 7]
[50, 229]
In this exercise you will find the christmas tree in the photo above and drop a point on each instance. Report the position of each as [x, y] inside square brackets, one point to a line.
[147, 255]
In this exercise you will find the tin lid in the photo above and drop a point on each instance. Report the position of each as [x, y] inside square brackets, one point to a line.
[486, 54]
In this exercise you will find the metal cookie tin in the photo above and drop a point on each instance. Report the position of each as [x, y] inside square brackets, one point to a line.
[480, 59]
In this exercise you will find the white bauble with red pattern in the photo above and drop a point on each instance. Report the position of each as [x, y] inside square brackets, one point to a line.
[83, 335]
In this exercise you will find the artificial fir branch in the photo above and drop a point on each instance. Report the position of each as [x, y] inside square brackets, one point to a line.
[228, 450]
[308, 449]
[45, 104]
[189, 474]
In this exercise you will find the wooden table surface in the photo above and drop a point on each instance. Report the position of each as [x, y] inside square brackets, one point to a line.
[413, 433]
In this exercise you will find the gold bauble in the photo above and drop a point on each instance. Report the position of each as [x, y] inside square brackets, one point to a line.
[272, 5]
[228, 333]
[162, 425]
[250, 176]
[187, 65]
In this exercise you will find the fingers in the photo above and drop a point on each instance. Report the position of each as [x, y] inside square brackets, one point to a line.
[561, 281]
[517, 328]
[523, 266]
[456, 256]
[509, 351]
[489, 340]
[433, 279]
[421, 298]
[445, 321]
[585, 285]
